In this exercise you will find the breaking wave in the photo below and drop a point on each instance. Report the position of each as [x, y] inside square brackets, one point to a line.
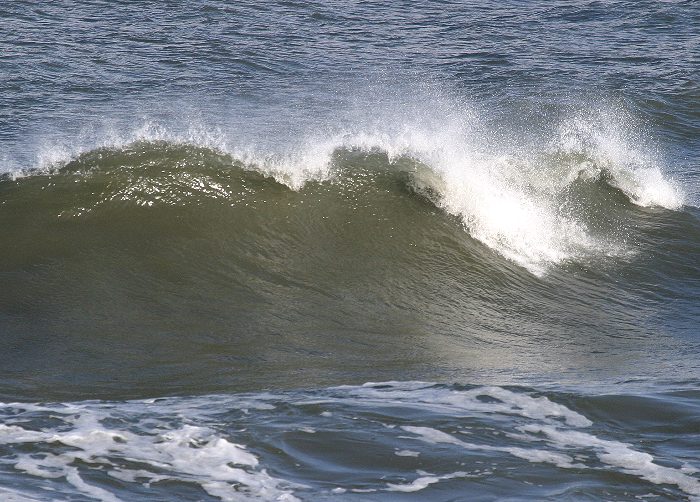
[538, 202]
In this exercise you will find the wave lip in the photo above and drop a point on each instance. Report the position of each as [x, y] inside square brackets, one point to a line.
[518, 197]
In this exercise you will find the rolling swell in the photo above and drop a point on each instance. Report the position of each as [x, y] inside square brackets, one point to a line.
[179, 256]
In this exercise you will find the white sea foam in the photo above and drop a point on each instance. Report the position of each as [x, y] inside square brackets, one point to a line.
[619, 455]
[189, 453]
[600, 144]
[193, 440]
[424, 481]
[504, 401]
[435, 436]
[7, 495]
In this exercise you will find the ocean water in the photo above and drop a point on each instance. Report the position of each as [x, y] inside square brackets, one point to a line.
[351, 250]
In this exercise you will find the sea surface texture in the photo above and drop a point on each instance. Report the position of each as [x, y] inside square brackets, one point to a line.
[349, 250]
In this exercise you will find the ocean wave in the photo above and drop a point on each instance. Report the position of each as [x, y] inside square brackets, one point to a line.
[512, 190]
[534, 227]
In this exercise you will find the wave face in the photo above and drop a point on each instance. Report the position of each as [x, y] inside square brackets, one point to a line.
[205, 264]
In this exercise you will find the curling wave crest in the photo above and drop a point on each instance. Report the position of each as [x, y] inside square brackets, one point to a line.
[515, 192]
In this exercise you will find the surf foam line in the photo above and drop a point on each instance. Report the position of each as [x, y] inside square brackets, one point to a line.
[511, 193]
[185, 453]
[552, 424]
[73, 448]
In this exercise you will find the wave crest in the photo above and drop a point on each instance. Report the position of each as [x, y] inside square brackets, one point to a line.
[516, 196]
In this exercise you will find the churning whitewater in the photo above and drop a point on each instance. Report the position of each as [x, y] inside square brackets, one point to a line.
[527, 198]
[144, 446]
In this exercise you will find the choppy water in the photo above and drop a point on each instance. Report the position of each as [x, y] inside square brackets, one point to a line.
[220, 221]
